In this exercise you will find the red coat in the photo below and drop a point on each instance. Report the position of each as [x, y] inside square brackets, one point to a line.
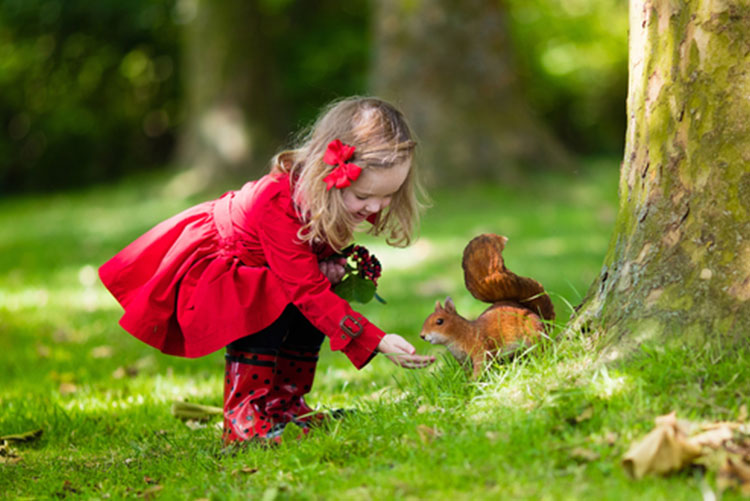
[227, 268]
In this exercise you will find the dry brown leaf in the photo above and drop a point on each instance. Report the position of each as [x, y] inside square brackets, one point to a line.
[67, 388]
[69, 487]
[195, 412]
[151, 492]
[584, 454]
[587, 414]
[429, 408]
[739, 469]
[734, 472]
[742, 416]
[663, 450]
[712, 438]
[121, 372]
[610, 438]
[103, 351]
[43, 351]
[26, 436]
[428, 433]
[7, 454]
[492, 436]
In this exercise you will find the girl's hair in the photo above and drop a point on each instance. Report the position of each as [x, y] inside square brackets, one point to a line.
[382, 139]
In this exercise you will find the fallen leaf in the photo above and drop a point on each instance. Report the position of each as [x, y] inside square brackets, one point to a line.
[195, 412]
[492, 436]
[61, 336]
[712, 438]
[67, 388]
[7, 454]
[663, 450]
[102, 352]
[150, 493]
[26, 436]
[587, 414]
[68, 487]
[43, 351]
[584, 454]
[610, 438]
[735, 472]
[742, 416]
[427, 433]
[739, 468]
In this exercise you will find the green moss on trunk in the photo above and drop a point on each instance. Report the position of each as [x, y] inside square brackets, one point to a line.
[679, 259]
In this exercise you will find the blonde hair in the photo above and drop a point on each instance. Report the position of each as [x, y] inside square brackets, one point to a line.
[382, 139]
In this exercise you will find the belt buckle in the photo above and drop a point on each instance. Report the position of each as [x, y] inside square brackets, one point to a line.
[351, 332]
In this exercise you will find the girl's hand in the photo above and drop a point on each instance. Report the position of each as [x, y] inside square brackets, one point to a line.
[402, 353]
[333, 269]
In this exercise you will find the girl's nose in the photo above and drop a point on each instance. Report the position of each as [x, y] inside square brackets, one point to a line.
[374, 207]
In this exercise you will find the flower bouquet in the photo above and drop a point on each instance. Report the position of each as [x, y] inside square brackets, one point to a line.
[361, 277]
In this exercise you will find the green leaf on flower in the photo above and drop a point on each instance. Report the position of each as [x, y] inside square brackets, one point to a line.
[356, 288]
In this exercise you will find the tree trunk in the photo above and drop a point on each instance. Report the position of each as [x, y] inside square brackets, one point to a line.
[448, 65]
[234, 119]
[678, 265]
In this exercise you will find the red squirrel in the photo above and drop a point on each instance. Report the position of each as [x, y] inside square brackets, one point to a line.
[519, 307]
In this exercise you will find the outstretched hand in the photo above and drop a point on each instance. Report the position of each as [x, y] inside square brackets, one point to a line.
[402, 353]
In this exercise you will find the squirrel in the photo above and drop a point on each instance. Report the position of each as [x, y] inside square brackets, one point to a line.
[520, 310]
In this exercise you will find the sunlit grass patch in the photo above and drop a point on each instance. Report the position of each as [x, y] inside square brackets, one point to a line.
[552, 424]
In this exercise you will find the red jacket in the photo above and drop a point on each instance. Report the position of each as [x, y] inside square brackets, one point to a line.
[226, 269]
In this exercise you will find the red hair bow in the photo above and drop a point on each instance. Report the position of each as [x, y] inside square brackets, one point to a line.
[342, 176]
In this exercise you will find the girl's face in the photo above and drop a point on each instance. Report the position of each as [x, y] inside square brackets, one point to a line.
[373, 190]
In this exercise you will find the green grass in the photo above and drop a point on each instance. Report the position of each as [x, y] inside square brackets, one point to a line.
[103, 398]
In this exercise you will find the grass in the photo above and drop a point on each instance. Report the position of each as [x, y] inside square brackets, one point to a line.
[551, 425]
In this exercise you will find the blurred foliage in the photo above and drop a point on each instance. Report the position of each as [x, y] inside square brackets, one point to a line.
[92, 90]
[572, 57]
[323, 49]
[88, 90]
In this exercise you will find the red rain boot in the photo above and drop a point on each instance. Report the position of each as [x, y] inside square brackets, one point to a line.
[249, 375]
[292, 379]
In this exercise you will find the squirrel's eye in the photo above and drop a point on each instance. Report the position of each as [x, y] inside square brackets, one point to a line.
[439, 321]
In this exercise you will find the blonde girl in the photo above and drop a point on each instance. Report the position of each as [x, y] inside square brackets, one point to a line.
[253, 271]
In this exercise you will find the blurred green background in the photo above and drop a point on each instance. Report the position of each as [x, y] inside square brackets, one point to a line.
[93, 91]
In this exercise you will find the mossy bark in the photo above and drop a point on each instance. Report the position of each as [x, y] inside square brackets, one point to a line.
[448, 65]
[678, 265]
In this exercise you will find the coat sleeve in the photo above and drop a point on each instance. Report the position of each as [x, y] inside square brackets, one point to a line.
[296, 266]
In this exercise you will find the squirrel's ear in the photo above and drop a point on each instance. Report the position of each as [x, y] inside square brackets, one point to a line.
[438, 306]
[449, 306]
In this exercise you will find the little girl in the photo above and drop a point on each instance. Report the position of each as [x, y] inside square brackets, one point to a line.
[253, 271]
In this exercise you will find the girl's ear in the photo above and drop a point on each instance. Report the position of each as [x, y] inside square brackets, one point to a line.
[449, 306]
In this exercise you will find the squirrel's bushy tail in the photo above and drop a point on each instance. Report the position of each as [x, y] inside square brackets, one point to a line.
[488, 279]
